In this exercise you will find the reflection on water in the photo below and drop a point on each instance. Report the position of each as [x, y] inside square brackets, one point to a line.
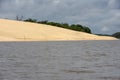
[72, 60]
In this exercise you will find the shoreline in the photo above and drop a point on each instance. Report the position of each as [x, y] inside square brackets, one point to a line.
[60, 41]
[11, 30]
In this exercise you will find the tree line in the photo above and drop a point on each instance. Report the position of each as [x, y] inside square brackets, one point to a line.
[117, 35]
[76, 27]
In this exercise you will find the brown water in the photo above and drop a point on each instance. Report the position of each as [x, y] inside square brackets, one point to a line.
[72, 60]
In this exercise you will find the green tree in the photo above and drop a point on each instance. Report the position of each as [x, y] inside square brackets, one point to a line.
[31, 20]
[117, 35]
[76, 27]
[43, 22]
[87, 29]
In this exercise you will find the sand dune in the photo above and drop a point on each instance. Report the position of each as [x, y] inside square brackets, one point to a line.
[11, 30]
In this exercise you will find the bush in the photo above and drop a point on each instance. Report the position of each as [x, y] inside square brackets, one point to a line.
[31, 20]
[76, 27]
[117, 35]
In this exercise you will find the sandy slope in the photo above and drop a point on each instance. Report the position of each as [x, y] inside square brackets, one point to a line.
[24, 31]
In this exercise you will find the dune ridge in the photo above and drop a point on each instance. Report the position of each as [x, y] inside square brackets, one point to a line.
[11, 30]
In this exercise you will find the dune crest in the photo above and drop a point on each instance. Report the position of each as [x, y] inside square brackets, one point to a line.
[11, 30]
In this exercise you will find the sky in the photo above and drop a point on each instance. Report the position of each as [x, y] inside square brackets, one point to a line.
[101, 16]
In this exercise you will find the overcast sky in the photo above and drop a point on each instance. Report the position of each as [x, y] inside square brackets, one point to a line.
[102, 16]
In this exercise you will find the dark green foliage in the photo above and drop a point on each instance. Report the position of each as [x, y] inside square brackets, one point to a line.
[65, 25]
[87, 30]
[43, 22]
[31, 20]
[54, 24]
[76, 27]
[103, 34]
[117, 35]
[79, 27]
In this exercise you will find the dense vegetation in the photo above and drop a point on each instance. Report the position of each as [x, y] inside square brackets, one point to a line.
[103, 34]
[117, 35]
[76, 27]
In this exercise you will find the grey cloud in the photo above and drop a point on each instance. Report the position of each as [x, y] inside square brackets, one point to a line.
[1, 2]
[98, 14]
[115, 4]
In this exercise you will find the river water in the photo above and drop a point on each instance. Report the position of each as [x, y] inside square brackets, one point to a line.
[60, 60]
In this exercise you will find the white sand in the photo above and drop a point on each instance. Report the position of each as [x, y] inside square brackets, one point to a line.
[11, 30]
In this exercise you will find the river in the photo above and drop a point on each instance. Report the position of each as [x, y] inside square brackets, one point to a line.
[60, 60]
